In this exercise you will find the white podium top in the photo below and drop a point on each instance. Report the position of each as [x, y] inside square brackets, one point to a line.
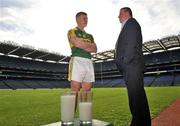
[76, 123]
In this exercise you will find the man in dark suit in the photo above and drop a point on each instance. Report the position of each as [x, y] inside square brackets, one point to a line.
[130, 62]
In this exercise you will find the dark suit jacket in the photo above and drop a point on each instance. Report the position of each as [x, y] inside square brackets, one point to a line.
[128, 51]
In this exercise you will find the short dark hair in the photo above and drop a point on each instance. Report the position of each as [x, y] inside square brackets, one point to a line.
[81, 13]
[127, 9]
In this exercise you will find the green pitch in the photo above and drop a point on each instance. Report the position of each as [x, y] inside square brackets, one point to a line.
[38, 107]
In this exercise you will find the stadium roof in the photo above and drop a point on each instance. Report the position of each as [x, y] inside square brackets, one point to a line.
[10, 48]
[13, 49]
[154, 46]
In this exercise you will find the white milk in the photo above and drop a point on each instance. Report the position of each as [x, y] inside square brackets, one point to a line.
[67, 108]
[85, 111]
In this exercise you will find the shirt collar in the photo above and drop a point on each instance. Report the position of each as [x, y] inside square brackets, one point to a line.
[124, 22]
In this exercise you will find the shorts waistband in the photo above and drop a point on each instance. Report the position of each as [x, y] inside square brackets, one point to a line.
[81, 58]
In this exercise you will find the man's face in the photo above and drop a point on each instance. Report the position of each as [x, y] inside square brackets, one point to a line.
[123, 15]
[82, 20]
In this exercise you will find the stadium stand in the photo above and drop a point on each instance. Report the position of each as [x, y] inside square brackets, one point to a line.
[177, 80]
[163, 80]
[149, 79]
[24, 67]
[3, 85]
[162, 58]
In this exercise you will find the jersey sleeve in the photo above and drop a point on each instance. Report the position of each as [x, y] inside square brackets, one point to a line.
[69, 35]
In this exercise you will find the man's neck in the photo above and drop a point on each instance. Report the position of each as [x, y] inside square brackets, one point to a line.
[81, 28]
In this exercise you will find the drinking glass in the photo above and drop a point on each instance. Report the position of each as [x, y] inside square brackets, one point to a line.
[85, 108]
[67, 108]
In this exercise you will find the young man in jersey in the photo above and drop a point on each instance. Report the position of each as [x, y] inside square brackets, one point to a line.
[81, 71]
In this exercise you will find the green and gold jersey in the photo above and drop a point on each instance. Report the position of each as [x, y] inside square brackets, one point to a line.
[84, 37]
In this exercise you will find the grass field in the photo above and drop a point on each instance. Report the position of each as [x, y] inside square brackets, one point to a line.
[38, 107]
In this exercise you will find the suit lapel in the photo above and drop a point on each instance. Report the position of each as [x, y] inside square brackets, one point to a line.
[121, 33]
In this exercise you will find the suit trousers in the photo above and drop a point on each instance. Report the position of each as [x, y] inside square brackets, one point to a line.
[137, 97]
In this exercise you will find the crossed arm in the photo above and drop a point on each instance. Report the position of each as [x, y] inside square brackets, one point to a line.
[89, 47]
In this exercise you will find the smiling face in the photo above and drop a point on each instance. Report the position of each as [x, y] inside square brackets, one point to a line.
[123, 15]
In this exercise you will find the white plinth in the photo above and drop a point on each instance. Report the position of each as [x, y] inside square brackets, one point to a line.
[76, 122]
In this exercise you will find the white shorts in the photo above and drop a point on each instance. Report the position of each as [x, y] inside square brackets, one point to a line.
[81, 70]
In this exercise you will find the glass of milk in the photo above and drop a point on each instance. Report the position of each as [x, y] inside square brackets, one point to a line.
[85, 108]
[67, 109]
